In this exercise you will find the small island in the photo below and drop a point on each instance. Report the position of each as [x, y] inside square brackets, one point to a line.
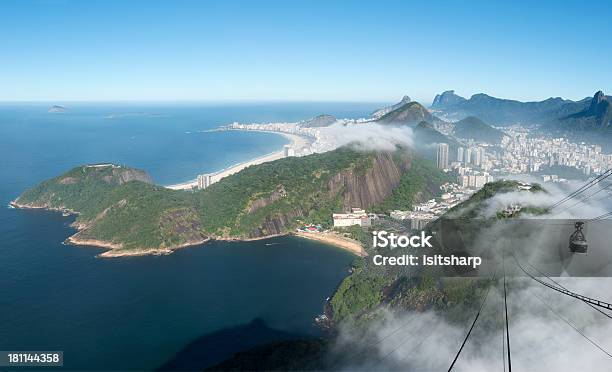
[56, 109]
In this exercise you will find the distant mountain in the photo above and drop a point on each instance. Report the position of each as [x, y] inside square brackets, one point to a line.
[56, 109]
[598, 115]
[472, 127]
[319, 121]
[385, 110]
[499, 111]
[446, 99]
[409, 113]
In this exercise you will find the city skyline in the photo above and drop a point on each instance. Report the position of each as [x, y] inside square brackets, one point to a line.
[69, 51]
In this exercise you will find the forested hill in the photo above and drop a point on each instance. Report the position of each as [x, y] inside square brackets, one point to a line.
[118, 207]
[474, 128]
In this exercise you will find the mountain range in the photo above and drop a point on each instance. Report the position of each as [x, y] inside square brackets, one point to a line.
[587, 114]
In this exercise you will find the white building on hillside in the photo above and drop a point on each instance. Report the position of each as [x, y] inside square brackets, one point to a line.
[356, 217]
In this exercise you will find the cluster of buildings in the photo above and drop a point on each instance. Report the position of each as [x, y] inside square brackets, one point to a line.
[473, 178]
[470, 167]
[319, 140]
[469, 155]
[526, 154]
[424, 213]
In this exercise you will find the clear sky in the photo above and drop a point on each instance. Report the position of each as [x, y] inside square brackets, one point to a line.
[296, 51]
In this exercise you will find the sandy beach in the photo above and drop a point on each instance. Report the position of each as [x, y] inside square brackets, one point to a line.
[297, 142]
[334, 239]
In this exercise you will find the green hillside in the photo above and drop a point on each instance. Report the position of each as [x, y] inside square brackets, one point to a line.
[474, 128]
[120, 206]
[369, 288]
[410, 113]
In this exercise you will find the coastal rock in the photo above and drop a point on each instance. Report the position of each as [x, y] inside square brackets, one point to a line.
[264, 202]
[276, 225]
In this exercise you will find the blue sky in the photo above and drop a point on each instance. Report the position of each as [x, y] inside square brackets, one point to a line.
[301, 50]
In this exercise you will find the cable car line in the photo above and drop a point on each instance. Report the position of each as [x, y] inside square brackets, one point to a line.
[415, 347]
[586, 299]
[503, 340]
[574, 327]
[402, 342]
[589, 196]
[601, 217]
[403, 325]
[473, 324]
[583, 188]
[506, 307]
[561, 286]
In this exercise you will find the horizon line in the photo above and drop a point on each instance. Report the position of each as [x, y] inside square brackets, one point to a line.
[424, 102]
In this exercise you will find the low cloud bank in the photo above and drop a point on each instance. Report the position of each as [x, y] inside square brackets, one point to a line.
[539, 339]
[369, 136]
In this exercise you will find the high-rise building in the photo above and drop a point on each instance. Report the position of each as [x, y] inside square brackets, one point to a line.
[477, 156]
[468, 155]
[288, 151]
[442, 158]
[204, 180]
[460, 154]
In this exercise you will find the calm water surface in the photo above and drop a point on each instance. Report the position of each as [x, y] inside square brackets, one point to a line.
[141, 312]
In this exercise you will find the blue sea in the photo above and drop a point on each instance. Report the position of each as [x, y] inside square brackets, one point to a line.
[192, 308]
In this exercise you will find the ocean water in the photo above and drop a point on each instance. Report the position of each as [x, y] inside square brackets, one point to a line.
[192, 308]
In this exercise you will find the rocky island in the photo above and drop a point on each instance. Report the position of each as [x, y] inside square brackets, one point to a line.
[56, 109]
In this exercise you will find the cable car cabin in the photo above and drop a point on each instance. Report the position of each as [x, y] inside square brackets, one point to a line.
[577, 241]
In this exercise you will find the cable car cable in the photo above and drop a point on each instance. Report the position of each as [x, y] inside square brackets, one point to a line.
[560, 285]
[586, 299]
[588, 197]
[506, 307]
[583, 188]
[473, 324]
[574, 327]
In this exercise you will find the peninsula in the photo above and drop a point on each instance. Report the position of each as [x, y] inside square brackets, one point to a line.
[120, 209]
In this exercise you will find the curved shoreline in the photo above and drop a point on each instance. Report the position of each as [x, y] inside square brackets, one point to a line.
[116, 250]
[296, 142]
